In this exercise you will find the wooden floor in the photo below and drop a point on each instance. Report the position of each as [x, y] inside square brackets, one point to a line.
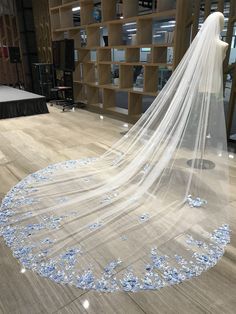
[28, 144]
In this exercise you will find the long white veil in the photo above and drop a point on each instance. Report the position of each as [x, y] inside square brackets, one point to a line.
[149, 212]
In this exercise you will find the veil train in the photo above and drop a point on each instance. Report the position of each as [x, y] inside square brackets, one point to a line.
[149, 212]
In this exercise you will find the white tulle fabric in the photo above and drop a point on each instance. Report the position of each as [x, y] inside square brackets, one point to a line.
[141, 216]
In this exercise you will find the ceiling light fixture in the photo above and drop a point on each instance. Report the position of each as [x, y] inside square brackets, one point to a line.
[131, 30]
[167, 26]
[132, 23]
[76, 9]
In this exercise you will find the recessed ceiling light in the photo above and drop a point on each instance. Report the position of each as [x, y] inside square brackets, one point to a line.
[167, 26]
[75, 9]
[132, 23]
[131, 30]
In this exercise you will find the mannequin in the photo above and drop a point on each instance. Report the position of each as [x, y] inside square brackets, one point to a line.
[223, 45]
[211, 88]
[215, 85]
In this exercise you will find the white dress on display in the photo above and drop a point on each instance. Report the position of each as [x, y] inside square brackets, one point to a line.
[140, 216]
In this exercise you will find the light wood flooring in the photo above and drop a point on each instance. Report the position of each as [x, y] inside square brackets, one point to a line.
[28, 144]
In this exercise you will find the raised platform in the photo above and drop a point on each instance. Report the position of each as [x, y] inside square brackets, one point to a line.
[15, 103]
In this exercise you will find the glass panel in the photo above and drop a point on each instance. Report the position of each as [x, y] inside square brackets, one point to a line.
[129, 33]
[122, 100]
[163, 76]
[103, 36]
[115, 74]
[93, 55]
[118, 55]
[83, 38]
[163, 31]
[146, 102]
[170, 55]
[145, 54]
[138, 77]
[76, 16]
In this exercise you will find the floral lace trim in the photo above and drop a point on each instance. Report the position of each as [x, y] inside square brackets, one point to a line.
[159, 272]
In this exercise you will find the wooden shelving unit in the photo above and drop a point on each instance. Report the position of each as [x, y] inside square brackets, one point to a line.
[99, 75]
[9, 37]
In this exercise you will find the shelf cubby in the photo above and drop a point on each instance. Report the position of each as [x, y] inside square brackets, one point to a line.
[66, 17]
[147, 100]
[115, 34]
[164, 74]
[83, 55]
[93, 55]
[80, 92]
[69, 2]
[165, 5]
[146, 54]
[78, 73]
[118, 55]
[159, 55]
[108, 10]
[116, 102]
[135, 104]
[58, 35]
[130, 8]
[132, 54]
[86, 12]
[104, 74]
[109, 98]
[122, 101]
[94, 95]
[150, 78]
[163, 31]
[89, 73]
[144, 33]
[75, 34]
[126, 76]
[54, 3]
[93, 36]
[104, 55]
[55, 19]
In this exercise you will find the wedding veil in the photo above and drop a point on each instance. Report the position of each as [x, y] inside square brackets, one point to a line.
[150, 211]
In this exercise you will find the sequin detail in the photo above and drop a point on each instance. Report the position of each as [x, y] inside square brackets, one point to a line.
[195, 202]
[144, 217]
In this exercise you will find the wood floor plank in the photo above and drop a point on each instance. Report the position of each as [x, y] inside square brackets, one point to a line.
[28, 144]
[94, 303]
[27, 292]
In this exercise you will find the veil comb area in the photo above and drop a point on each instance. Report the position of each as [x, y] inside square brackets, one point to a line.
[140, 216]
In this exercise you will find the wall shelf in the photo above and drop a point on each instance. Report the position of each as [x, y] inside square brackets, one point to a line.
[114, 52]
